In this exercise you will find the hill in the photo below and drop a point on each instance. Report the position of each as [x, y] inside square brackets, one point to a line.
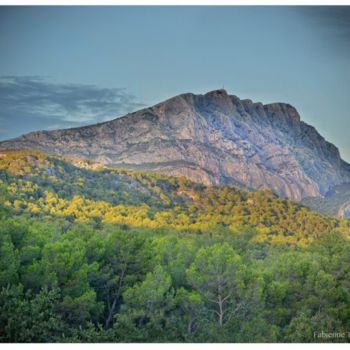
[51, 186]
[94, 254]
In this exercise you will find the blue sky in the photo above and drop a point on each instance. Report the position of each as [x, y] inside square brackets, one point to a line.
[71, 66]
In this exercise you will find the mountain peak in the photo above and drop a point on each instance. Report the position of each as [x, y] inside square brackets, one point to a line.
[218, 92]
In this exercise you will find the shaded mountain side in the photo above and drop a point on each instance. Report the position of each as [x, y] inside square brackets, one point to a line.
[213, 139]
[335, 203]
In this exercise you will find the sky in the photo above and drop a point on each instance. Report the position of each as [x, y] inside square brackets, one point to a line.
[71, 66]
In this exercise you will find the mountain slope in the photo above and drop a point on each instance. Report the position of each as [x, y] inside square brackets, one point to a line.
[44, 186]
[214, 138]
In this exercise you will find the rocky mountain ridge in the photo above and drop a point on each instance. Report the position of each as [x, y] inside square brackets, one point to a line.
[214, 138]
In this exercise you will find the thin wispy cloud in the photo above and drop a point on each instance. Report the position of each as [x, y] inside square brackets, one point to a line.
[34, 102]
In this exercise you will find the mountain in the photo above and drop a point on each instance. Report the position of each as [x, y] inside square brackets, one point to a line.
[214, 139]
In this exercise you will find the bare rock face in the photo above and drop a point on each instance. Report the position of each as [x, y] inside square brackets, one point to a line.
[214, 138]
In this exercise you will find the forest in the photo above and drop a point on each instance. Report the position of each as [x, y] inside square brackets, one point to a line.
[95, 254]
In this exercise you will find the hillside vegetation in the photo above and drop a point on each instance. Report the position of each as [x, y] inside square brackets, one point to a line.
[91, 254]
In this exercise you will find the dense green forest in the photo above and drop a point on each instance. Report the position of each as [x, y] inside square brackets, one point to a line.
[91, 254]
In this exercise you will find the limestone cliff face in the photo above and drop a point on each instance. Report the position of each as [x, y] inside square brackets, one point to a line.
[214, 138]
